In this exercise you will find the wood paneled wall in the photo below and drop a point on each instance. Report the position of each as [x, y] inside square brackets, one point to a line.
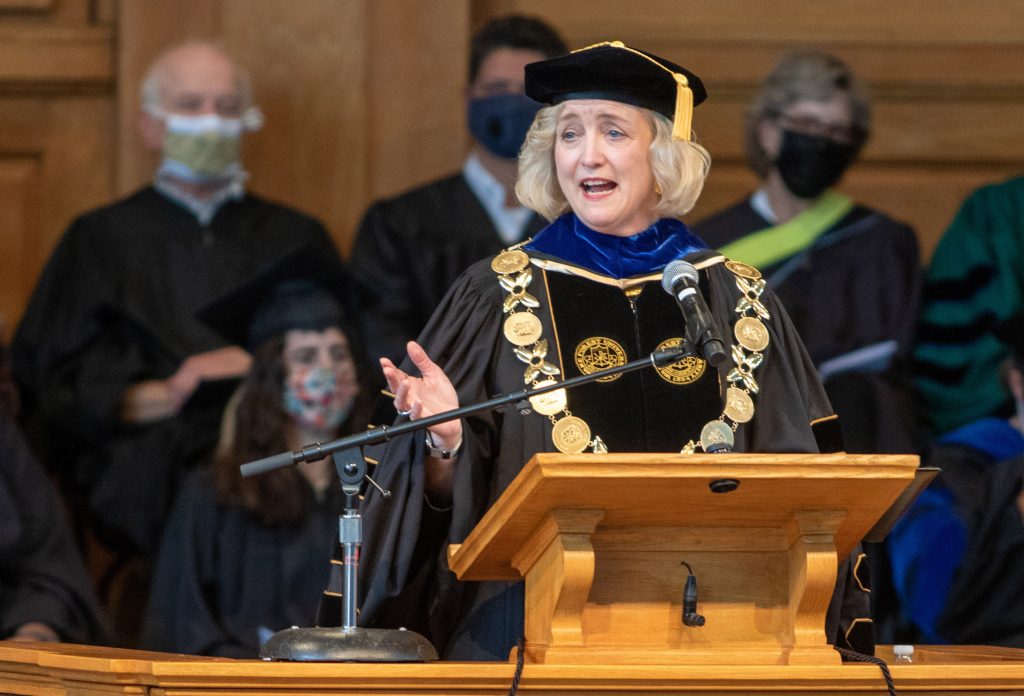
[364, 98]
[56, 130]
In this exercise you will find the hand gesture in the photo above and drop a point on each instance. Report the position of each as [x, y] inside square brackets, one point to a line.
[418, 397]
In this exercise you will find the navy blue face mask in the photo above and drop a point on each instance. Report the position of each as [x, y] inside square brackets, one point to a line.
[500, 123]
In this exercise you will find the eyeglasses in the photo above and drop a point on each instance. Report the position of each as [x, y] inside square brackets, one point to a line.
[809, 125]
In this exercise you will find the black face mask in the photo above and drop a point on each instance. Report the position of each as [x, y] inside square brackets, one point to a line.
[809, 164]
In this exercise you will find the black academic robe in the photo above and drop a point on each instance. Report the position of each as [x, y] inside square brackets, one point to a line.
[222, 579]
[405, 579]
[856, 286]
[116, 305]
[42, 577]
[409, 250]
[983, 606]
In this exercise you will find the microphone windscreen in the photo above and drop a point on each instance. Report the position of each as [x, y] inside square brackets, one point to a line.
[674, 271]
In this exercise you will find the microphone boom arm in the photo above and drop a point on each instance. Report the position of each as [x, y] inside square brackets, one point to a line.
[373, 436]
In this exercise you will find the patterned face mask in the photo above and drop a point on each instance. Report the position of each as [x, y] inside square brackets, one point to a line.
[201, 149]
[313, 398]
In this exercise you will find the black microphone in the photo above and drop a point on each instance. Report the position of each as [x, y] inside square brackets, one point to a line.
[690, 615]
[681, 281]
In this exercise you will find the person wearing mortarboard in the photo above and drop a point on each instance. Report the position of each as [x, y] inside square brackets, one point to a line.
[848, 275]
[612, 164]
[243, 558]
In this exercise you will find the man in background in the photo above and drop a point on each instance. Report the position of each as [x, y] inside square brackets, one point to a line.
[410, 248]
[123, 387]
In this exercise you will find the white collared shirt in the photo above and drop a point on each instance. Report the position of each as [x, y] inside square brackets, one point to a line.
[759, 202]
[509, 222]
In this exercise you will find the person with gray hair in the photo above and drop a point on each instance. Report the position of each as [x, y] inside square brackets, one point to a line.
[122, 386]
[848, 275]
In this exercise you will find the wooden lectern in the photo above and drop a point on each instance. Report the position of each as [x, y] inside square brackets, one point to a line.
[600, 541]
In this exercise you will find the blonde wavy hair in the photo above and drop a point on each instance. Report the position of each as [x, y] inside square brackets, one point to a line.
[679, 167]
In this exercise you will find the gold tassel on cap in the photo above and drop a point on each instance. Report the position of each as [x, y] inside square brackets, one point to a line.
[682, 124]
[683, 121]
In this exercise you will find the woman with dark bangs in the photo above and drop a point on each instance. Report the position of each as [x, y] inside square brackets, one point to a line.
[243, 558]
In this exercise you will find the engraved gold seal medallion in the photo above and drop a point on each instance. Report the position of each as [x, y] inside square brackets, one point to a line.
[684, 371]
[509, 262]
[751, 333]
[599, 353]
[549, 403]
[716, 435]
[571, 435]
[522, 328]
[744, 270]
[738, 405]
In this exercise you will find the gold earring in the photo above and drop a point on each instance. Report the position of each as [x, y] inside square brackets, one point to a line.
[657, 188]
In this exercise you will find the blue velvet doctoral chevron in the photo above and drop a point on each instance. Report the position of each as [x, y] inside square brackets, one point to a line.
[568, 239]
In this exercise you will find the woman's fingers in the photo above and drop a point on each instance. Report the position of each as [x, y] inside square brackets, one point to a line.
[394, 376]
[420, 359]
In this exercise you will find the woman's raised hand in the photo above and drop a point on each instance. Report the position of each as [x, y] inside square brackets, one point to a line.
[418, 397]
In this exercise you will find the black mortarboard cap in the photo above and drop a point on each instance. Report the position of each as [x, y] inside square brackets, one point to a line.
[614, 71]
[302, 291]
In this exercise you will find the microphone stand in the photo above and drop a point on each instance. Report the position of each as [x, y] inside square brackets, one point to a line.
[349, 642]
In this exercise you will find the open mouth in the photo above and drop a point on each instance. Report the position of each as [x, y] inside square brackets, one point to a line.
[596, 186]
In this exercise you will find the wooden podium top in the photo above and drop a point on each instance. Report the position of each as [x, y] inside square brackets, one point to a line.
[35, 669]
[672, 490]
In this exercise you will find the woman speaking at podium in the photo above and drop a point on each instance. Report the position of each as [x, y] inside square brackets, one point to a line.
[611, 162]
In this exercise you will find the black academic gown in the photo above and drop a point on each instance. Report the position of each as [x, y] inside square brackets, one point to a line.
[222, 578]
[116, 305]
[983, 606]
[42, 577]
[408, 252]
[857, 285]
[406, 580]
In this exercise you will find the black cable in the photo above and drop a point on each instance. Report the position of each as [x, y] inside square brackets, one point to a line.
[861, 657]
[519, 668]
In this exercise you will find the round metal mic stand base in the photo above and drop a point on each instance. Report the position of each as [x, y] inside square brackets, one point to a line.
[348, 645]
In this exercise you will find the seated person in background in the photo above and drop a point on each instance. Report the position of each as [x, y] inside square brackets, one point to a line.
[45, 592]
[411, 248]
[123, 389]
[956, 553]
[847, 275]
[242, 558]
[974, 283]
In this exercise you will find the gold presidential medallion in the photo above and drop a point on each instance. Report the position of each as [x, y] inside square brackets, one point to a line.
[738, 405]
[742, 269]
[716, 435]
[688, 369]
[751, 333]
[509, 262]
[571, 435]
[550, 403]
[522, 328]
[599, 353]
